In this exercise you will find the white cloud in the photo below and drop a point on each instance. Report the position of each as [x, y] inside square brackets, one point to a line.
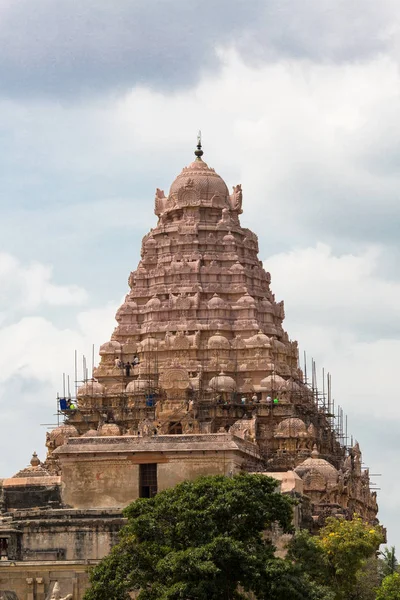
[345, 315]
[36, 352]
[34, 348]
[28, 287]
[346, 290]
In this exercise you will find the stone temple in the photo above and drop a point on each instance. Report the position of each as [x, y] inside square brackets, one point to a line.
[199, 377]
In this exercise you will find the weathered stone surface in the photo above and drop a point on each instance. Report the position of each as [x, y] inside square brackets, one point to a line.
[102, 472]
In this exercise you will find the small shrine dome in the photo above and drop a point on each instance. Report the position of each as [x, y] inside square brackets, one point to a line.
[315, 463]
[109, 429]
[112, 347]
[216, 302]
[291, 428]
[280, 347]
[90, 433]
[138, 386]
[314, 481]
[237, 267]
[273, 382]
[201, 178]
[229, 238]
[127, 308]
[291, 386]
[150, 242]
[259, 339]
[35, 469]
[266, 305]
[222, 383]
[246, 300]
[60, 434]
[218, 341]
[91, 388]
[153, 303]
[149, 343]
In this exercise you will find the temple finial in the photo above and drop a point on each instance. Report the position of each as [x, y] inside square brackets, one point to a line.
[199, 152]
[35, 461]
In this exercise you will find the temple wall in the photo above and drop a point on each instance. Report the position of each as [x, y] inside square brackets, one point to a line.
[105, 472]
[59, 535]
[179, 468]
[98, 482]
[57, 545]
[69, 542]
[32, 581]
[23, 494]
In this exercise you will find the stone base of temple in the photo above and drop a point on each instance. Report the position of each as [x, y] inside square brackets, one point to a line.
[99, 477]
[36, 580]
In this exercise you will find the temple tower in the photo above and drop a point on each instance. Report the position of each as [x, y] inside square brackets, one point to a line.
[200, 317]
[199, 378]
[200, 347]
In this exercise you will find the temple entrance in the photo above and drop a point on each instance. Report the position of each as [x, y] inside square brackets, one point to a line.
[3, 548]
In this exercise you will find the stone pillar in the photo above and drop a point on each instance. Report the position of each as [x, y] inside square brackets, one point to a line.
[40, 588]
[75, 588]
[29, 588]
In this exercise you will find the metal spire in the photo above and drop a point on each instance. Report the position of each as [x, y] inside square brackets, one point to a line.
[199, 152]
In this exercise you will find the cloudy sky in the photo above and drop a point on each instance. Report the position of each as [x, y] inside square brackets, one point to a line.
[100, 103]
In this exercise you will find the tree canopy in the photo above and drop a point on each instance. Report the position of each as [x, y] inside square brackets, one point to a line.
[390, 588]
[208, 540]
[204, 540]
[388, 561]
[337, 555]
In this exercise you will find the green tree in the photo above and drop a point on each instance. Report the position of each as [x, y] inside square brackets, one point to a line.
[288, 581]
[368, 580]
[337, 556]
[203, 540]
[388, 561]
[390, 588]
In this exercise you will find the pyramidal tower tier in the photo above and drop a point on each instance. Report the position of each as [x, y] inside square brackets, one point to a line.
[200, 319]
[199, 350]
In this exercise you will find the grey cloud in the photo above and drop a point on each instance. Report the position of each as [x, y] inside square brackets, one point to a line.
[330, 205]
[320, 30]
[72, 47]
[69, 48]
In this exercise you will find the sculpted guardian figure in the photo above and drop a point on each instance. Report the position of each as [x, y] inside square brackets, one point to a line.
[56, 594]
[236, 198]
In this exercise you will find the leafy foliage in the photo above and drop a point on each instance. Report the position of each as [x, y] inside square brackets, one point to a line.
[289, 581]
[388, 562]
[346, 545]
[368, 580]
[336, 556]
[204, 540]
[390, 588]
